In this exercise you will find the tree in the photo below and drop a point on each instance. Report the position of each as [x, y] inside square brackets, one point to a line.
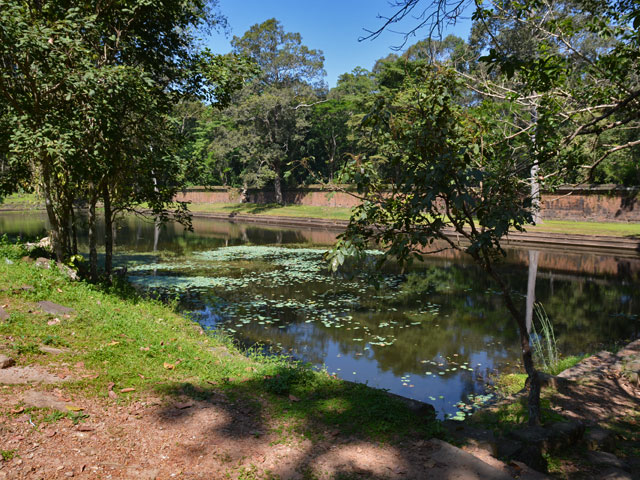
[452, 180]
[465, 172]
[79, 79]
[271, 112]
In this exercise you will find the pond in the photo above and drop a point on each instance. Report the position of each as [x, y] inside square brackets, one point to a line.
[436, 332]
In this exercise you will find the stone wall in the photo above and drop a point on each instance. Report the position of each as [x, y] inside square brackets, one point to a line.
[603, 203]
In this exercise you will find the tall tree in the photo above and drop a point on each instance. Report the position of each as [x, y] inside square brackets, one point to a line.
[78, 78]
[272, 111]
[465, 172]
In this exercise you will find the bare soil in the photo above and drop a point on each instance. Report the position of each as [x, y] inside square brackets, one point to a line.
[165, 438]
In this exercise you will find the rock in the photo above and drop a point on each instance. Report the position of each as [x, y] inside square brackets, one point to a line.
[563, 436]
[43, 262]
[604, 459]
[631, 370]
[556, 437]
[37, 399]
[530, 435]
[6, 362]
[473, 438]
[531, 455]
[54, 308]
[68, 271]
[508, 448]
[3, 314]
[615, 474]
[52, 350]
[553, 381]
[21, 375]
[598, 438]
[143, 473]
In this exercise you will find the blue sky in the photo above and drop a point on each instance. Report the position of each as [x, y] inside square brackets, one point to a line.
[332, 26]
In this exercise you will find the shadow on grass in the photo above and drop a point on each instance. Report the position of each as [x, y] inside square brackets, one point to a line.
[252, 209]
[324, 416]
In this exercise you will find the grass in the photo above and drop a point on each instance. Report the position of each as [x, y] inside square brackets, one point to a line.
[29, 200]
[144, 344]
[343, 213]
[544, 345]
[587, 228]
[7, 455]
[509, 383]
[20, 200]
[302, 211]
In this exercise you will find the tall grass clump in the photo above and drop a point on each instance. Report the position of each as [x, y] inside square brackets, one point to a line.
[544, 344]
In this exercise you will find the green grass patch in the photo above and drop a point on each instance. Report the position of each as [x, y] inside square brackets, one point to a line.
[142, 344]
[7, 455]
[588, 228]
[305, 211]
[566, 362]
[510, 383]
[20, 200]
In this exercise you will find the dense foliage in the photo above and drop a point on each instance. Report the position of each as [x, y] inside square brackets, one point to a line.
[87, 98]
[544, 68]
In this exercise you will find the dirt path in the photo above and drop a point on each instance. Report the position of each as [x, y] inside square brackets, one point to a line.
[162, 438]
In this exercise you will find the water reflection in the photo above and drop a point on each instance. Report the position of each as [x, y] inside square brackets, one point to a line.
[433, 332]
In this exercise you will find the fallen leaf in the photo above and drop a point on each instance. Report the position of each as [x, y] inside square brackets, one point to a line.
[74, 408]
[18, 410]
[212, 383]
[50, 434]
[55, 321]
[59, 290]
[112, 394]
[127, 390]
[93, 377]
[141, 376]
[293, 398]
[169, 366]
[85, 428]
[110, 386]
[113, 343]
[144, 349]
[183, 405]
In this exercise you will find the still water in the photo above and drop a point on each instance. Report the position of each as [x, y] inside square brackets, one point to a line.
[435, 332]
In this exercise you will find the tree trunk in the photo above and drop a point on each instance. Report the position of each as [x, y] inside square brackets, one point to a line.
[277, 186]
[93, 234]
[56, 240]
[535, 183]
[108, 234]
[533, 380]
[74, 233]
[531, 287]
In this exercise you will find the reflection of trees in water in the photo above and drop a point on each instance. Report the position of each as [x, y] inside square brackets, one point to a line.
[580, 292]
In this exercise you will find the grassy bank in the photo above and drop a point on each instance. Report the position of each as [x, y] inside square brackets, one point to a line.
[341, 213]
[19, 201]
[30, 201]
[117, 340]
[274, 210]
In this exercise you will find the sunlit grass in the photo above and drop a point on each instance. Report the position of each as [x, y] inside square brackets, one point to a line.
[587, 228]
[145, 345]
[20, 200]
[306, 211]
